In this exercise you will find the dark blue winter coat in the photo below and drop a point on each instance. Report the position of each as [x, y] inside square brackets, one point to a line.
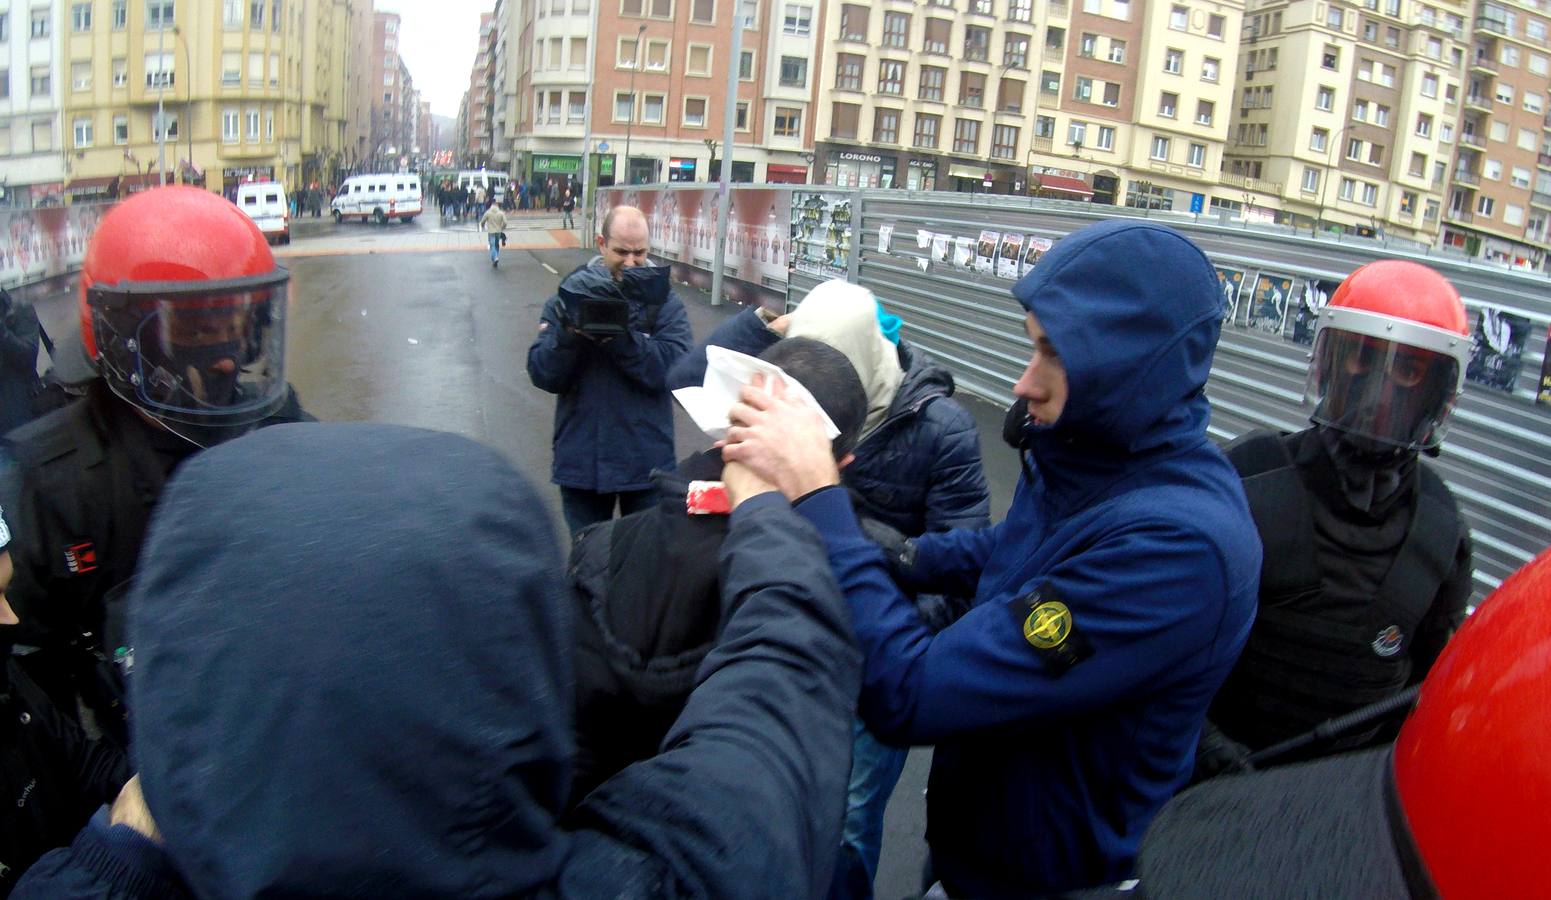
[614, 415]
[352, 676]
[19, 338]
[919, 470]
[1109, 605]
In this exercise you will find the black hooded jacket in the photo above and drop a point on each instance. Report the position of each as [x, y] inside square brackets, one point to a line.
[353, 675]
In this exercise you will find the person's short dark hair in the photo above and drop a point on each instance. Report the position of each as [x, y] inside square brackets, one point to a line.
[832, 381]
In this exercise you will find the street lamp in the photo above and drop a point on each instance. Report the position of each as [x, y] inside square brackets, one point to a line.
[1324, 184]
[635, 65]
[188, 104]
[807, 159]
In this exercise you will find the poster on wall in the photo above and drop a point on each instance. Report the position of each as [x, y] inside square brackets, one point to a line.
[1497, 348]
[1311, 299]
[1007, 257]
[1268, 304]
[1230, 280]
[1543, 395]
[44, 242]
[985, 251]
[821, 234]
[1037, 247]
[940, 247]
[963, 252]
[885, 236]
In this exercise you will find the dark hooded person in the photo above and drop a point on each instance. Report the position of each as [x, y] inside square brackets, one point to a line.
[1110, 603]
[353, 677]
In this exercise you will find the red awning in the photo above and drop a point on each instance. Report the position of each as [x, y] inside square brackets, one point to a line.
[779, 174]
[1061, 184]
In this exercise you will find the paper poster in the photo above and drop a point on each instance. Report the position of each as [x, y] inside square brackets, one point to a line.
[923, 239]
[1036, 248]
[922, 263]
[1007, 257]
[1315, 294]
[1544, 394]
[1497, 348]
[963, 252]
[821, 234]
[1268, 304]
[985, 251]
[1230, 280]
[940, 247]
[885, 234]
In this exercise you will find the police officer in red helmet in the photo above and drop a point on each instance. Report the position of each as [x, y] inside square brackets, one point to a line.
[1367, 565]
[183, 313]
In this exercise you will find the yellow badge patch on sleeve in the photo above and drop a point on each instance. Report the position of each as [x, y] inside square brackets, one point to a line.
[1048, 625]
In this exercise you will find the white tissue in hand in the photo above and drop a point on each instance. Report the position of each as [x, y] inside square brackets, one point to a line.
[726, 372]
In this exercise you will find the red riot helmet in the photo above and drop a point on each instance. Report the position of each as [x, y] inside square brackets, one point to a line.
[1389, 357]
[1470, 766]
[183, 309]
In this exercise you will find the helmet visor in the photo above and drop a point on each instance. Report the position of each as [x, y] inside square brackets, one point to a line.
[1392, 393]
[196, 352]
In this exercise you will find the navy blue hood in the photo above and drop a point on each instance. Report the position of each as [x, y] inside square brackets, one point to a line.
[352, 669]
[1134, 310]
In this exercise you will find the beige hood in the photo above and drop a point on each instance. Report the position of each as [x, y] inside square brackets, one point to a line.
[845, 316]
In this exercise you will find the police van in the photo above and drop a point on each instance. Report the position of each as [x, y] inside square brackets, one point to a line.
[378, 198]
[265, 203]
[494, 183]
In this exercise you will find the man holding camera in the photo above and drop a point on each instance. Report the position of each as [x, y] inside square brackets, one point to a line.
[605, 344]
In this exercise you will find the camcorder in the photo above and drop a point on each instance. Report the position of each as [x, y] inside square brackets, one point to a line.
[604, 311]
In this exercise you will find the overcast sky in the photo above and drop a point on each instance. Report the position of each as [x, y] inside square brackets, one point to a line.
[437, 39]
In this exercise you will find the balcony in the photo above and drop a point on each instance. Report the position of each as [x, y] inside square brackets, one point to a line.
[1462, 176]
[1479, 102]
[1040, 145]
[1495, 26]
[1055, 54]
[1544, 159]
[1460, 215]
[1251, 184]
[1483, 62]
[1541, 199]
[1060, 8]
[1471, 139]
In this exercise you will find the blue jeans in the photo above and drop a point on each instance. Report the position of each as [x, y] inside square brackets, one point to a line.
[875, 770]
[495, 246]
[582, 508]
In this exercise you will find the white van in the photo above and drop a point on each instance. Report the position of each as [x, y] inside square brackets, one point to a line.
[265, 204]
[494, 183]
[378, 198]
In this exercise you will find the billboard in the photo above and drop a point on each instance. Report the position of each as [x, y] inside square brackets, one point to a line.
[1268, 302]
[821, 234]
[40, 243]
[1231, 281]
[1497, 348]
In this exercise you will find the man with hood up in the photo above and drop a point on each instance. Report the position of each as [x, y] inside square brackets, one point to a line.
[613, 414]
[1109, 605]
[353, 676]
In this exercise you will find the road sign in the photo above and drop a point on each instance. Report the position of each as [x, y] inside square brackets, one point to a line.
[603, 147]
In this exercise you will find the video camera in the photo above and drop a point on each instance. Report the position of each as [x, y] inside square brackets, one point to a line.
[604, 310]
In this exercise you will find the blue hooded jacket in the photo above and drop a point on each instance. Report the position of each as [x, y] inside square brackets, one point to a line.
[1061, 733]
[353, 677]
[614, 414]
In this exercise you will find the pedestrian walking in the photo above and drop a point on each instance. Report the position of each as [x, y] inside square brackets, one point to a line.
[568, 206]
[552, 199]
[493, 224]
[20, 334]
[522, 197]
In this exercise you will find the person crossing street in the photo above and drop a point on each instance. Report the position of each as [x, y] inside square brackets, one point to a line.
[494, 226]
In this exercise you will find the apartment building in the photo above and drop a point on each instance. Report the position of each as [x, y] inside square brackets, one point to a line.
[1121, 101]
[1500, 183]
[1346, 113]
[480, 136]
[241, 89]
[360, 87]
[32, 168]
[390, 136]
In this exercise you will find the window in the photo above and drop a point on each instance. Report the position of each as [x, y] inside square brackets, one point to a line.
[936, 38]
[1499, 132]
[624, 106]
[885, 126]
[231, 69]
[932, 80]
[1009, 95]
[274, 69]
[1348, 189]
[1055, 38]
[848, 72]
[1076, 134]
[42, 83]
[1044, 127]
[1429, 85]
[42, 135]
[653, 108]
[1418, 165]
[40, 23]
[626, 7]
[1205, 112]
[977, 43]
[120, 72]
[83, 132]
[576, 106]
[1330, 58]
[1209, 68]
[1087, 45]
[1354, 148]
[843, 120]
[1179, 18]
[1168, 104]
[896, 30]
[1387, 76]
[1532, 102]
[1106, 138]
[1050, 82]
[1111, 93]
[1485, 205]
[891, 77]
[121, 129]
[625, 58]
[966, 136]
[1310, 182]
[1360, 111]
[578, 53]
[1015, 51]
[694, 112]
[972, 90]
[980, 7]
[81, 20]
[698, 62]
[794, 72]
[1004, 142]
[656, 56]
[1508, 55]
[231, 13]
[853, 22]
[1504, 93]
[274, 16]
[80, 76]
[1535, 30]
[1196, 158]
[1526, 139]
[746, 65]
[1381, 115]
[1160, 148]
[1539, 65]
[229, 126]
[253, 124]
[1375, 154]
[1082, 89]
[256, 21]
[1318, 139]
[926, 131]
[1333, 17]
[1370, 195]
[704, 11]
[120, 15]
[798, 19]
[741, 116]
[1325, 99]
[1215, 25]
[269, 123]
[1020, 10]
[1117, 51]
[788, 121]
[1173, 61]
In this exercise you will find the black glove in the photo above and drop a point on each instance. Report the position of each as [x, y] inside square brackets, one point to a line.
[898, 551]
[1218, 754]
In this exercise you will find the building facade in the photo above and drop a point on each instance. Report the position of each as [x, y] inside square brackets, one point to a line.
[32, 164]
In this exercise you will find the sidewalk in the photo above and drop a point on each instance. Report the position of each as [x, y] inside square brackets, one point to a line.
[429, 236]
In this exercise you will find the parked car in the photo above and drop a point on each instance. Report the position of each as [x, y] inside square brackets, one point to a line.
[378, 198]
[265, 203]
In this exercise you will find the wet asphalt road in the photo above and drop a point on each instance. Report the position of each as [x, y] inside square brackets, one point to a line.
[439, 340]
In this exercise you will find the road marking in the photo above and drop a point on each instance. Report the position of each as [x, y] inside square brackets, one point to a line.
[547, 266]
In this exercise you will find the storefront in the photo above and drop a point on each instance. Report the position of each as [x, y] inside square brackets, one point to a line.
[854, 168]
[921, 175]
[779, 174]
[545, 165]
[1058, 184]
[230, 178]
[642, 170]
[681, 169]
